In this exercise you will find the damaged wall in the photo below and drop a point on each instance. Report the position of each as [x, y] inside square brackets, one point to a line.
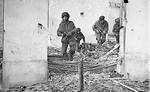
[25, 51]
[25, 44]
[1, 24]
[137, 39]
[148, 35]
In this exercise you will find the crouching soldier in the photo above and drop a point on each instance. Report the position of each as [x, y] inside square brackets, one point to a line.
[65, 31]
[78, 37]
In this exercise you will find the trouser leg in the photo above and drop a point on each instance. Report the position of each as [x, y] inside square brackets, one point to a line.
[77, 46]
[103, 38]
[117, 38]
[72, 50]
[98, 38]
[64, 50]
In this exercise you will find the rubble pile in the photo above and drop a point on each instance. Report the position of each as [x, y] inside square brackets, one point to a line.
[53, 51]
[92, 61]
[68, 82]
[101, 81]
[93, 56]
[100, 74]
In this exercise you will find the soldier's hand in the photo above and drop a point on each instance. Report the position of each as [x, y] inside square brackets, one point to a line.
[59, 34]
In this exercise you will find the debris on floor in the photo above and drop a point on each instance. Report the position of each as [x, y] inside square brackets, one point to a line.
[100, 73]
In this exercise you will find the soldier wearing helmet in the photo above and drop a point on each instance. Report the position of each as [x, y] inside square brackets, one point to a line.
[65, 14]
[116, 29]
[65, 31]
[78, 37]
[101, 29]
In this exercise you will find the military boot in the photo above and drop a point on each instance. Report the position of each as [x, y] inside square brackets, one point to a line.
[71, 54]
[65, 56]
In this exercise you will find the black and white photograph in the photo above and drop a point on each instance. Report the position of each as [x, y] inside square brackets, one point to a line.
[74, 45]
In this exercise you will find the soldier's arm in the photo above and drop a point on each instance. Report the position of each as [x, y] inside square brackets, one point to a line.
[121, 27]
[106, 28]
[73, 29]
[83, 37]
[113, 30]
[59, 31]
[72, 25]
[118, 28]
[94, 27]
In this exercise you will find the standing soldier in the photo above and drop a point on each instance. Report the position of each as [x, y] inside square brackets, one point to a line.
[78, 36]
[101, 29]
[116, 29]
[65, 31]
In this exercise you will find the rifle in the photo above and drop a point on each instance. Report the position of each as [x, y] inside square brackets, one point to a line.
[98, 29]
[67, 34]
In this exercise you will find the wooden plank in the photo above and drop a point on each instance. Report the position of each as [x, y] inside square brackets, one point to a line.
[115, 47]
[125, 86]
[81, 79]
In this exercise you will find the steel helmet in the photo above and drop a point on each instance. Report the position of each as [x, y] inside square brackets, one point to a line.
[65, 14]
[101, 17]
[117, 20]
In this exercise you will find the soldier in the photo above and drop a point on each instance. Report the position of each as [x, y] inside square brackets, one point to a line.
[65, 31]
[116, 29]
[101, 29]
[78, 36]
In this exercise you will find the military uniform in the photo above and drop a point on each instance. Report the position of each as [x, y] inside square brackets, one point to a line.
[116, 29]
[65, 30]
[78, 36]
[101, 29]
